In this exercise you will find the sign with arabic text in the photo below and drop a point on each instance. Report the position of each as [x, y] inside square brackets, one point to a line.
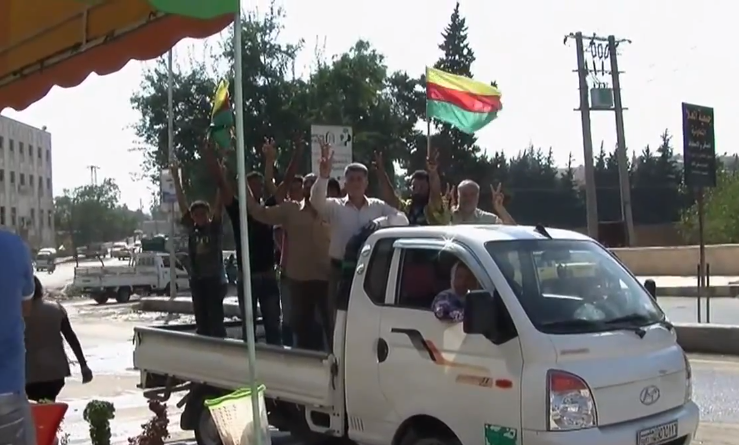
[699, 146]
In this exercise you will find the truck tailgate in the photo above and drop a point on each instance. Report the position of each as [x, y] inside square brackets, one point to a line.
[289, 374]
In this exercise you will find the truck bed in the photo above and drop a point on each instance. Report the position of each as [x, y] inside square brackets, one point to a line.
[291, 375]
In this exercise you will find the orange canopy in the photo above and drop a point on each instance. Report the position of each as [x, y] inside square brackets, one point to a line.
[60, 42]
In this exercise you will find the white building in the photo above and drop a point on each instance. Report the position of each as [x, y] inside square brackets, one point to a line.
[26, 196]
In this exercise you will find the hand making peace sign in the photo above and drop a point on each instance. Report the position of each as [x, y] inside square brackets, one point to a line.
[269, 150]
[326, 161]
[498, 197]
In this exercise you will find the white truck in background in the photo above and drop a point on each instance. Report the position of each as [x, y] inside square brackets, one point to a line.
[146, 273]
[547, 354]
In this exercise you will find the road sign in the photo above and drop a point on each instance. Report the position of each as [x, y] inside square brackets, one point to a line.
[340, 138]
[167, 189]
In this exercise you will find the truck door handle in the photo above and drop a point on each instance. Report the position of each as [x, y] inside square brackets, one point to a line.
[382, 350]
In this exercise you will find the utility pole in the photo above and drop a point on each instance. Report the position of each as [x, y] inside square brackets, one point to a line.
[591, 199]
[623, 170]
[93, 174]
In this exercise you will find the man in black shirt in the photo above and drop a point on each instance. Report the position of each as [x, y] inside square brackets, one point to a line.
[261, 259]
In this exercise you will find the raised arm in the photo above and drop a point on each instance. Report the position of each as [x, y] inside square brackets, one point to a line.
[318, 200]
[499, 207]
[218, 206]
[272, 215]
[269, 150]
[292, 169]
[439, 209]
[218, 172]
[387, 191]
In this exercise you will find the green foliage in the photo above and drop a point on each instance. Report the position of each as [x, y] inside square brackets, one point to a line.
[92, 213]
[98, 414]
[721, 206]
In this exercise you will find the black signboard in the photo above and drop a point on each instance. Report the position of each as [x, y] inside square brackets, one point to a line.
[699, 148]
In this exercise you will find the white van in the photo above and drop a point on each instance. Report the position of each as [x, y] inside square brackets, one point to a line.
[561, 345]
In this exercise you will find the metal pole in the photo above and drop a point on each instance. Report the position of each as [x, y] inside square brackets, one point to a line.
[591, 199]
[701, 246]
[245, 270]
[170, 149]
[708, 292]
[623, 169]
[698, 289]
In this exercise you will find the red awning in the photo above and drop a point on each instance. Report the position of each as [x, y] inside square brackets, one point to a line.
[60, 42]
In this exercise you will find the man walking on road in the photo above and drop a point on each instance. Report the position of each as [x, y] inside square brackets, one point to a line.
[346, 216]
[16, 293]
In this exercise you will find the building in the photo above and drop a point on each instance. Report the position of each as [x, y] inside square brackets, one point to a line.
[26, 195]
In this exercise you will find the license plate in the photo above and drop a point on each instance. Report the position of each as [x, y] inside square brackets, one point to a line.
[657, 434]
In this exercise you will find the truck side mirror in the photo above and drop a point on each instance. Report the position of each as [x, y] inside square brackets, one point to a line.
[651, 287]
[479, 313]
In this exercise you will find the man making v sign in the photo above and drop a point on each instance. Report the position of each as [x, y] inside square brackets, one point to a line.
[348, 215]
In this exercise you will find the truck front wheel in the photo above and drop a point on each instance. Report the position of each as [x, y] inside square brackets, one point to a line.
[100, 298]
[123, 295]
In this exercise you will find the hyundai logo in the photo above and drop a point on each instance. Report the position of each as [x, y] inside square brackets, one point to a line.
[649, 395]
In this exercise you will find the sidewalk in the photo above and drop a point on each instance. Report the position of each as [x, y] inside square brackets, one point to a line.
[672, 286]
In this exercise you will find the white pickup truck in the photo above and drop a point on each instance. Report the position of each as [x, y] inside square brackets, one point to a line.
[546, 353]
[146, 273]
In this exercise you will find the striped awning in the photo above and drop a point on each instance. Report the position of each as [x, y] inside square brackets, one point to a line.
[44, 43]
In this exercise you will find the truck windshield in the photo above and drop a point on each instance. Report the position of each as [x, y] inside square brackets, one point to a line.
[571, 286]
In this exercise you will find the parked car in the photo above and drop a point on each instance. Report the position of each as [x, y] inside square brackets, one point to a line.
[121, 251]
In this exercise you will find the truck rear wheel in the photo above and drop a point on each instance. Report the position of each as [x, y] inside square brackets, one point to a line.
[123, 295]
[206, 432]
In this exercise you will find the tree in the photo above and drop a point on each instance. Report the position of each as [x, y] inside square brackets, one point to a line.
[607, 186]
[91, 213]
[657, 178]
[721, 207]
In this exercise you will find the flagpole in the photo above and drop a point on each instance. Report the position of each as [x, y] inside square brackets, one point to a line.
[170, 148]
[428, 120]
[245, 270]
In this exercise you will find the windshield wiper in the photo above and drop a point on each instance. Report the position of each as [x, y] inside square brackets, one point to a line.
[575, 324]
[638, 318]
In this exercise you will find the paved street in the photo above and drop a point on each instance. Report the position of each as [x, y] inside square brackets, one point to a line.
[685, 310]
[64, 273]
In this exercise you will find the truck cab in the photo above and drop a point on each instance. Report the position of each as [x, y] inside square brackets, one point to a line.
[559, 344]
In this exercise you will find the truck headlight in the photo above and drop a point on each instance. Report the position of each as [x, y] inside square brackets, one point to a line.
[571, 402]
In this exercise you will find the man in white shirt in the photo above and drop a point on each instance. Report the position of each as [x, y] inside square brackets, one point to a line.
[467, 212]
[348, 215]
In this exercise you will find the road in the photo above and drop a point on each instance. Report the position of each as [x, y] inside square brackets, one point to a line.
[106, 333]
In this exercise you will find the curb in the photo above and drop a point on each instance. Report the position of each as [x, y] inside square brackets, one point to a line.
[727, 291]
[708, 338]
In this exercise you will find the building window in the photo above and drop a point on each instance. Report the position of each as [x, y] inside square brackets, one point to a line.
[33, 217]
[2, 175]
[48, 184]
[41, 218]
[12, 177]
[2, 142]
[20, 151]
[40, 186]
[30, 153]
[39, 154]
[12, 217]
[30, 181]
[48, 156]
[10, 144]
[22, 179]
[49, 215]
[2, 215]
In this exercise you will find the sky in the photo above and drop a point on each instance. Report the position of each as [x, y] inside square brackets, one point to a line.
[678, 54]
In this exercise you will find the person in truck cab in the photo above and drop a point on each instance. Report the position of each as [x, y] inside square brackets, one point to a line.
[449, 304]
[208, 282]
[346, 216]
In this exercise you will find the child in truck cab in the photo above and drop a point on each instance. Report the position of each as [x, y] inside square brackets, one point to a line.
[449, 304]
